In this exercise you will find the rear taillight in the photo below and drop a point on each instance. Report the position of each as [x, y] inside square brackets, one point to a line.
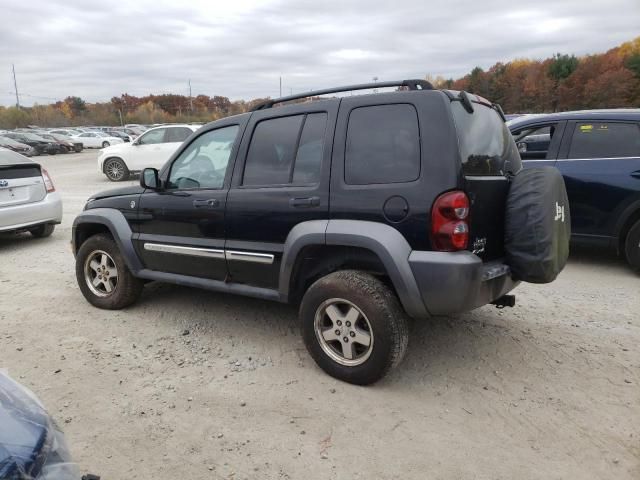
[449, 222]
[47, 181]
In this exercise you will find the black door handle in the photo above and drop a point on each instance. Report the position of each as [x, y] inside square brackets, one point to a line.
[305, 202]
[212, 202]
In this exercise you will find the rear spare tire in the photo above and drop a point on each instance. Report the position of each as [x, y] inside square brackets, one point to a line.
[537, 225]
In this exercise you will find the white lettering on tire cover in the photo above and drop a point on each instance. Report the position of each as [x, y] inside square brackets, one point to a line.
[559, 212]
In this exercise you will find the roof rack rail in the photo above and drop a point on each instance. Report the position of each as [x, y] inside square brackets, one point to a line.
[410, 84]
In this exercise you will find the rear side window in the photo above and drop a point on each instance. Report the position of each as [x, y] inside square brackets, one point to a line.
[177, 134]
[486, 146]
[286, 150]
[602, 140]
[383, 145]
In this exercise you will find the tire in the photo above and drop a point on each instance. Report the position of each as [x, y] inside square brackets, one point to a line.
[42, 231]
[632, 246]
[97, 281]
[116, 170]
[105, 144]
[327, 307]
[78, 148]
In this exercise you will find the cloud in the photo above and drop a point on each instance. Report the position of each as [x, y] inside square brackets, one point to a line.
[240, 48]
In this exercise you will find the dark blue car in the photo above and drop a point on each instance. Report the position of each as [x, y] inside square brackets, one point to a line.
[31, 447]
[598, 153]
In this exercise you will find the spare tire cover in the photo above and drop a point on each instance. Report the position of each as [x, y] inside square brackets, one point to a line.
[537, 225]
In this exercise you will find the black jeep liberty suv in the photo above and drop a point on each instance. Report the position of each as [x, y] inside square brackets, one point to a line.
[362, 210]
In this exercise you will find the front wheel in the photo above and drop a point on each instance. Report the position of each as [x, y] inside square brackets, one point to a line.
[632, 246]
[103, 276]
[105, 144]
[353, 326]
[116, 170]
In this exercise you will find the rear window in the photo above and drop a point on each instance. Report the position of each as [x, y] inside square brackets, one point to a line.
[19, 171]
[486, 146]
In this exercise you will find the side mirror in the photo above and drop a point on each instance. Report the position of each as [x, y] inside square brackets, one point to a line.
[149, 179]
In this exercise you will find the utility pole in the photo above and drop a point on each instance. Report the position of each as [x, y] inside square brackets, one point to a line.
[190, 99]
[15, 84]
[121, 122]
[281, 86]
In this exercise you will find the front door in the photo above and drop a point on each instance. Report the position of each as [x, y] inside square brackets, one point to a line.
[182, 226]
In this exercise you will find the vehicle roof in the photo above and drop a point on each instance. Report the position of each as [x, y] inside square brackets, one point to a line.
[600, 114]
[9, 157]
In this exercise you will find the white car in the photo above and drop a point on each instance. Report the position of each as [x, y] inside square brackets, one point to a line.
[28, 200]
[152, 149]
[97, 140]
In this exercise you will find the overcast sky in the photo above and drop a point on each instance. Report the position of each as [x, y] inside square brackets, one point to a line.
[239, 48]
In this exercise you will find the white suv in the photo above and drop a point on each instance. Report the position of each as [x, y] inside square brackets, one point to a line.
[150, 150]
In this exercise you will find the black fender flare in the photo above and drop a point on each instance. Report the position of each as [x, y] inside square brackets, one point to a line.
[385, 241]
[120, 230]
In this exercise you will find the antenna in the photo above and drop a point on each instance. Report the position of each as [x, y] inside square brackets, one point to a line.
[15, 84]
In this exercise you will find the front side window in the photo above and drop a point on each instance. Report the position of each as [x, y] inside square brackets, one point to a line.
[152, 137]
[605, 140]
[383, 145]
[203, 164]
[533, 142]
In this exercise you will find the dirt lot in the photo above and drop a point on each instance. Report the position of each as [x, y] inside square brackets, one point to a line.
[191, 384]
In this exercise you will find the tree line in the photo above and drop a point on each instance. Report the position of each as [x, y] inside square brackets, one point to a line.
[562, 82]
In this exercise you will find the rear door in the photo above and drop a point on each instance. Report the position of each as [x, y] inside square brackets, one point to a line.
[488, 155]
[600, 162]
[281, 179]
[148, 151]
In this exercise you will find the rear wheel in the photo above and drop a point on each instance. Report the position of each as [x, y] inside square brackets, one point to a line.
[632, 246]
[42, 231]
[105, 144]
[103, 276]
[353, 326]
[116, 170]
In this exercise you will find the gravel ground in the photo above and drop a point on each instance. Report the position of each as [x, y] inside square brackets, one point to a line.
[192, 384]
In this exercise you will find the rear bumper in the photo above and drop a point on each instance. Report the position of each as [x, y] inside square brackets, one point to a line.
[455, 282]
[47, 210]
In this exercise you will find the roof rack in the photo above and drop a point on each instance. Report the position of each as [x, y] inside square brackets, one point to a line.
[410, 84]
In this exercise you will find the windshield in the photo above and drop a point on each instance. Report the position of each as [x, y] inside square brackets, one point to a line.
[486, 146]
[32, 136]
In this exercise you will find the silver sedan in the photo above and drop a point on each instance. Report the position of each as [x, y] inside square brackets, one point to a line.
[28, 199]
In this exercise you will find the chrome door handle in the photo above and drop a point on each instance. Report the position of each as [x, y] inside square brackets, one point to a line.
[212, 202]
[635, 174]
[305, 202]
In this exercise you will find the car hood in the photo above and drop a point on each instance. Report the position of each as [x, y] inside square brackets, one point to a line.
[26, 435]
[118, 192]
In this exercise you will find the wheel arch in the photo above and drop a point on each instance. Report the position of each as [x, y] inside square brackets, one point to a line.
[106, 220]
[338, 244]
